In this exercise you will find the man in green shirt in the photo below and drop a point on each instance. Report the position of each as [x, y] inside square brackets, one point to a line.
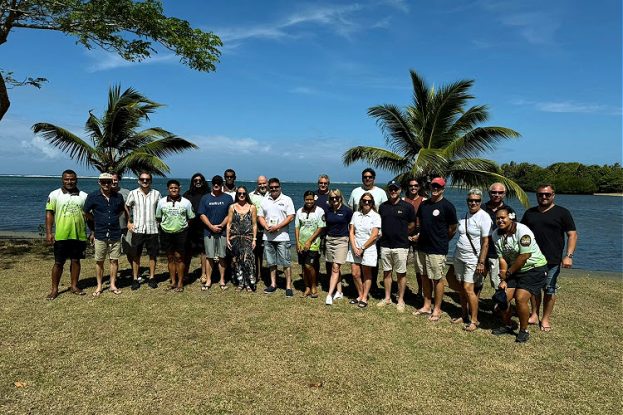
[64, 212]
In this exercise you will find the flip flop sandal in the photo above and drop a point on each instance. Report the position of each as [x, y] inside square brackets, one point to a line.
[223, 287]
[434, 318]
[422, 313]
[78, 292]
[96, 293]
[471, 327]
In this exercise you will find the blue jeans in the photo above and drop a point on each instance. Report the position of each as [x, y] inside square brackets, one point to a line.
[551, 283]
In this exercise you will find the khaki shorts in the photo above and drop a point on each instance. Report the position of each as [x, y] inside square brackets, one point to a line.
[420, 267]
[107, 247]
[435, 265]
[337, 249]
[394, 259]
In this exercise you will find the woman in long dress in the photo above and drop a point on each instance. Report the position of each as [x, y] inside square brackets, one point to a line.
[241, 231]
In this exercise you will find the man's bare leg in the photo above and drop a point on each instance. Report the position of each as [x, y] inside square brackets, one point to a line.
[548, 308]
[535, 303]
[57, 271]
[114, 265]
[75, 275]
[402, 286]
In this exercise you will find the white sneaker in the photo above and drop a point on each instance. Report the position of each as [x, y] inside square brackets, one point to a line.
[338, 295]
[329, 300]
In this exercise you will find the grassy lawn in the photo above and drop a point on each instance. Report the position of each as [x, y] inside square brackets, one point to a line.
[156, 351]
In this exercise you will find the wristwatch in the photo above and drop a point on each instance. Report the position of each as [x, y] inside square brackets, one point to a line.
[570, 255]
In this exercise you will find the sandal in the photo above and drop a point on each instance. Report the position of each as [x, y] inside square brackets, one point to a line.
[434, 318]
[223, 287]
[179, 289]
[422, 313]
[97, 293]
[116, 291]
[471, 327]
[78, 292]
[205, 287]
[249, 289]
[362, 304]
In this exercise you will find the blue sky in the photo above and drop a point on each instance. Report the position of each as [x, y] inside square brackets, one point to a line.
[295, 80]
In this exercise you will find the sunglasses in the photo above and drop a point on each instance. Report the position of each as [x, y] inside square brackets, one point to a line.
[367, 202]
[367, 177]
[414, 185]
[230, 177]
[216, 185]
[323, 183]
[546, 195]
[198, 180]
[436, 186]
[106, 182]
[493, 192]
[144, 180]
[473, 200]
[241, 194]
[274, 187]
[334, 198]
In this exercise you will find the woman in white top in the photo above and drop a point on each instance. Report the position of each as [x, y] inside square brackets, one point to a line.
[364, 230]
[470, 256]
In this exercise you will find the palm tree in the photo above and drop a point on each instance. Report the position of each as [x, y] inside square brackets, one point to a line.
[116, 145]
[437, 136]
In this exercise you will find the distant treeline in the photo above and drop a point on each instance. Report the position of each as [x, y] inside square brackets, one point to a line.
[573, 178]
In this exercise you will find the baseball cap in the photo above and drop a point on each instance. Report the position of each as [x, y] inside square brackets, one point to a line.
[105, 176]
[393, 183]
[499, 298]
[440, 181]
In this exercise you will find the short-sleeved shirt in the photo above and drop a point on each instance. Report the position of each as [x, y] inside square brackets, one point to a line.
[322, 200]
[215, 208]
[174, 215]
[377, 193]
[69, 220]
[143, 208]
[491, 212]
[307, 223]
[478, 225]
[521, 242]
[395, 220]
[338, 221]
[105, 214]
[123, 221]
[549, 229]
[274, 212]
[256, 198]
[363, 225]
[435, 219]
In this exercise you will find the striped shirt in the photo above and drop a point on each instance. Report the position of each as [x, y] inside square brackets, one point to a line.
[143, 210]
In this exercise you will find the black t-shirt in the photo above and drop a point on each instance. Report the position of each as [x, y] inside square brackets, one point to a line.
[435, 219]
[395, 221]
[549, 229]
[491, 253]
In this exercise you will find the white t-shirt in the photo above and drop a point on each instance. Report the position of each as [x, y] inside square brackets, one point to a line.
[377, 193]
[478, 225]
[274, 212]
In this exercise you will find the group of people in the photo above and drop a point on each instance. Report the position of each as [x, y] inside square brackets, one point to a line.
[237, 231]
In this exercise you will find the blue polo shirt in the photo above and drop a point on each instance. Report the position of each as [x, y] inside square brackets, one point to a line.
[338, 221]
[105, 214]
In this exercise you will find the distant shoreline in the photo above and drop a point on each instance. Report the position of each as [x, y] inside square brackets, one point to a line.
[608, 194]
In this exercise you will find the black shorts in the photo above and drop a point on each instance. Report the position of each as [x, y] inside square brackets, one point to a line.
[69, 249]
[147, 240]
[174, 242]
[532, 280]
[309, 258]
[194, 241]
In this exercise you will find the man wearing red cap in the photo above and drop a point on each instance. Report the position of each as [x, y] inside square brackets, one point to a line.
[438, 223]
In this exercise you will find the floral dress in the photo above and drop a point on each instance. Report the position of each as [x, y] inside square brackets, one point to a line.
[241, 238]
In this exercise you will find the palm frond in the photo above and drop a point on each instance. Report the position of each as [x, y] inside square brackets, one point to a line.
[482, 179]
[447, 107]
[469, 120]
[377, 157]
[139, 161]
[65, 141]
[477, 141]
[429, 162]
[395, 127]
[169, 145]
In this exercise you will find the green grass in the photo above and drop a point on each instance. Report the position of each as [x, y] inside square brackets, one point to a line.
[155, 351]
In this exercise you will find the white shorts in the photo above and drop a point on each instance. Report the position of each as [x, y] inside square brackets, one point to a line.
[467, 272]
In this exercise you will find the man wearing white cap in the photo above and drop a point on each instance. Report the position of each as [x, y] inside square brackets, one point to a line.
[438, 223]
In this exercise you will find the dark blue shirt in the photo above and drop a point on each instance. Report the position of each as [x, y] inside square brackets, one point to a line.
[215, 208]
[105, 214]
[338, 221]
[395, 220]
[435, 219]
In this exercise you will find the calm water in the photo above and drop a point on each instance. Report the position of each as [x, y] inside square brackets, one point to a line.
[599, 219]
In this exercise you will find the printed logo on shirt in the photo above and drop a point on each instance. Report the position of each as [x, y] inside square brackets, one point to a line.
[436, 212]
[525, 240]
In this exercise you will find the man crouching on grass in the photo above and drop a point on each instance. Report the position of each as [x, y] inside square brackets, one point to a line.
[64, 210]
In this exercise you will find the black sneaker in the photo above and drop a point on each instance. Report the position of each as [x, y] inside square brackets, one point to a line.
[502, 330]
[152, 283]
[135, 285]
[522, 336]
[270, 289]
[289, 293]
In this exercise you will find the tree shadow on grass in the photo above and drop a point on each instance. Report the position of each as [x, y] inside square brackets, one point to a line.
[14, 250]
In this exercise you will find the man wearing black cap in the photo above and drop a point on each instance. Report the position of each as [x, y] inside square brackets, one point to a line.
[438, 222]
[397, 223]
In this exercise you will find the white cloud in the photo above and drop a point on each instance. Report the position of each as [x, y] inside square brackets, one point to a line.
[340, 19]
[535, 27]
[38, 144]
[103, 61]
[570, 107]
